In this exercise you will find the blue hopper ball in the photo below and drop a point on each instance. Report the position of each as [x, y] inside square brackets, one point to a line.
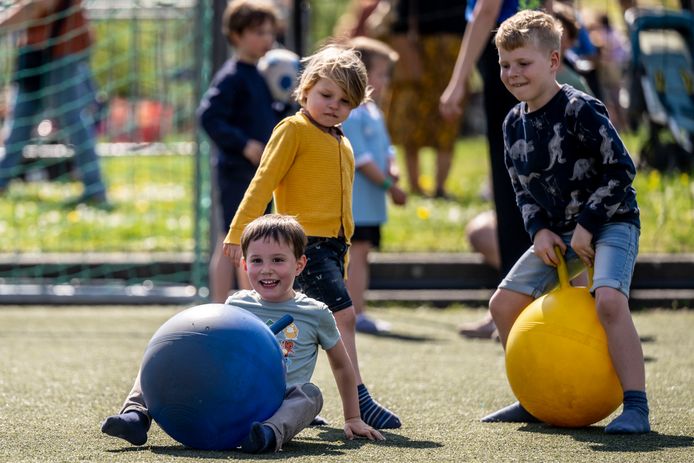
[209, 372]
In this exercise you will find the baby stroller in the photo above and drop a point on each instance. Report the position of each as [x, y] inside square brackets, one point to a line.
[662, 85]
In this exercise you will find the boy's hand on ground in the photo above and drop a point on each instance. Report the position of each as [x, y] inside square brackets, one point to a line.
[234, 253]
[543, 246]
[356, 427]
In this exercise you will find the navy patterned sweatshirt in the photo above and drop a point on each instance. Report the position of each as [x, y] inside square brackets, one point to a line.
[237, 107]
[568, 165]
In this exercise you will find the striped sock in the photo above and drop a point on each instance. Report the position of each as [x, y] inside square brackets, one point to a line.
[375, 414]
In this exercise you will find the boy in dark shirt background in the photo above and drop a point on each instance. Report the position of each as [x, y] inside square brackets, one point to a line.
[237, 114]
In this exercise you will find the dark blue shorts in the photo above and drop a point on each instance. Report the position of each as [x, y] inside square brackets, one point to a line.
[370, 233]
[324, 276]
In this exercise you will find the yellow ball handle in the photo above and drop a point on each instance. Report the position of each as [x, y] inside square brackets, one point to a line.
[563, 271]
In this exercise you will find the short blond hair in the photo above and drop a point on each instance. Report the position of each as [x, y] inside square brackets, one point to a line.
[341, 65]
[529, 27]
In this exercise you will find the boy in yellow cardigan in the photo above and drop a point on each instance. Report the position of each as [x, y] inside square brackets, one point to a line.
[308, 166]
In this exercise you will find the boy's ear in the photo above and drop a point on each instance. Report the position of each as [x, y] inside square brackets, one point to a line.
[245, 266]
[555, 59]
[234, 38]
[300, 264]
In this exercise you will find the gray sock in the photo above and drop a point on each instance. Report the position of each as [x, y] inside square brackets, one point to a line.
[514, 413]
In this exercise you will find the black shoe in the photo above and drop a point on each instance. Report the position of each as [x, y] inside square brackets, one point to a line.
[442, 194]
[319, 421]
[97, 200]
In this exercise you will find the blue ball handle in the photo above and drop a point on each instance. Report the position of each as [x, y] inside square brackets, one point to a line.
[281, 324]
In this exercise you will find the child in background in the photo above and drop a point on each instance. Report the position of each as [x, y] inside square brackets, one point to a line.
[273, 249]
[309, 167]
[375, 176]
[566, 75]
[573, 181]
[613, 59]
[237, 114]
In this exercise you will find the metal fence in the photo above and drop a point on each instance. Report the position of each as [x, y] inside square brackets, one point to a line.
[150, 64]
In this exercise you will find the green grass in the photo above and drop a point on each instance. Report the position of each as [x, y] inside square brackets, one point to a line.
[155, 209]
[666, 202]
[65, 369]
[153, 196]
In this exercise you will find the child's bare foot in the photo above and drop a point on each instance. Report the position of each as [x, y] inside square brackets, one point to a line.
[481, 329]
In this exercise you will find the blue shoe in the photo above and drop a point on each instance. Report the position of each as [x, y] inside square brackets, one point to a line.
[367, 325]
[261, 439]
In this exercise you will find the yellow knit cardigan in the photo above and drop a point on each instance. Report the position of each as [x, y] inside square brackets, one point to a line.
[311, 174]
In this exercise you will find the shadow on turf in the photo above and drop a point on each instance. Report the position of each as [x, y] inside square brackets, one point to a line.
[330, 442]
[601, 442]
[400, 336]
[335, 437]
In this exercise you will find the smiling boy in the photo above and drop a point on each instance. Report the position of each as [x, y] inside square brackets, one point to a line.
[572, 176]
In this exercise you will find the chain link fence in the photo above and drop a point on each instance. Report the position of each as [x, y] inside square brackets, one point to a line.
[150, 65]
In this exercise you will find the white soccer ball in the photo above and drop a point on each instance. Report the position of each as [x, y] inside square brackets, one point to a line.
[280, 67]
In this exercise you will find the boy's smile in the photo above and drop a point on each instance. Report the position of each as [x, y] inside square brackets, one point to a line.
[271, 268]
[529, 73]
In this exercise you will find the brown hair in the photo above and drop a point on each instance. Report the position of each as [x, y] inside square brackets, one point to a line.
[567, 17]
[240, 15]
[280, 228]
[339, 64]
[369, 49]
[529, 27]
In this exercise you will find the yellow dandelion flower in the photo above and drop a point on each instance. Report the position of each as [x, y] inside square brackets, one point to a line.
[426, 182]
[423, 213]
[654, 180]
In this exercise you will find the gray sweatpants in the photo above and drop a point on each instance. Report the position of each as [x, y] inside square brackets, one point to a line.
[301, 404]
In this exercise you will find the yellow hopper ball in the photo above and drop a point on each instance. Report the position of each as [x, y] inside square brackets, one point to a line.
[557, 359]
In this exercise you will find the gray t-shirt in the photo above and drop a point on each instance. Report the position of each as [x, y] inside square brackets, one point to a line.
[313, 326]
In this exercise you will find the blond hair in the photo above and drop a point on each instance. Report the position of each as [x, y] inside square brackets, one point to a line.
[529, 27]
[339, 64]
[369, 49]
[283, 229]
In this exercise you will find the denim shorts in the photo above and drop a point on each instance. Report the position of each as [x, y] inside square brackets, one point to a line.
[616, 245]
[323, 277]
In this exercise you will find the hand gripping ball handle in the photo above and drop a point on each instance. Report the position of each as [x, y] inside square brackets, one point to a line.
[557, 357]
[563, 271]
[281, 324]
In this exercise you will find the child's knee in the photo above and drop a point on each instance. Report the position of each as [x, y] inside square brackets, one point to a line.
[502, 305]
[346, 318]
[610, 304]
